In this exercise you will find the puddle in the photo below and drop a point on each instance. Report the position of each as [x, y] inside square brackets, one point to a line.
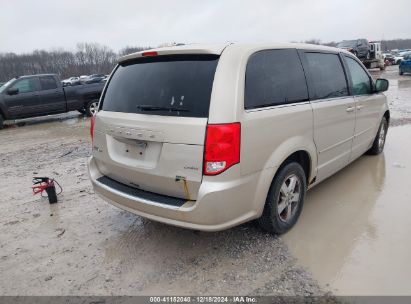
[354, 232]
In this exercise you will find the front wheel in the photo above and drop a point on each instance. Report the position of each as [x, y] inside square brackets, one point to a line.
[285, 199]
[379, 141]
[91, 107]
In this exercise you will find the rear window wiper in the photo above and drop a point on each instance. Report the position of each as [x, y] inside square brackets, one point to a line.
[158, 108]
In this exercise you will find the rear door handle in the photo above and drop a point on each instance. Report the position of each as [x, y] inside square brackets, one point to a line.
[350, 109]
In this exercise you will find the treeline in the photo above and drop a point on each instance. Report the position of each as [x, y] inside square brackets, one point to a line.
[91, 58]
[386, 45]
[88, 58]
[396, 44]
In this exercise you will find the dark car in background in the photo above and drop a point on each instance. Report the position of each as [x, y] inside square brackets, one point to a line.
[359, 47]
[95, 78]
[39, 95]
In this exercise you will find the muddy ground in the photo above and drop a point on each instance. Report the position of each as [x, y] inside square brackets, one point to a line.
[84, 246]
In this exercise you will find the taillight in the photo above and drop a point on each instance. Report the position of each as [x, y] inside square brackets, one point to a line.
[149, 54]
[222, 147]
[92, 122]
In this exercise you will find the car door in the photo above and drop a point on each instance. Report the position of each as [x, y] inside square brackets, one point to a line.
[368, 106]
[52, 99]
[406, 64]
[24, 103]
[333, 110]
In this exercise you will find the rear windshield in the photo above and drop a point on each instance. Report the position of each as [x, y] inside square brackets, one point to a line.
[165, 85]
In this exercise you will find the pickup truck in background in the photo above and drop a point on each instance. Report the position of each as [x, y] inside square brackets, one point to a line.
[39, 95]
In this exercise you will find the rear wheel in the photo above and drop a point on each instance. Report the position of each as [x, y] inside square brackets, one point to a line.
[379, 141]
[401, 72]
[91, 107]
[1, 122]
[285, 199]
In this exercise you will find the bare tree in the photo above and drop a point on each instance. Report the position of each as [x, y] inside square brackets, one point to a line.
[89, 58]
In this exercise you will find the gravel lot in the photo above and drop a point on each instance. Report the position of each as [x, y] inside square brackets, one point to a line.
[84, 246]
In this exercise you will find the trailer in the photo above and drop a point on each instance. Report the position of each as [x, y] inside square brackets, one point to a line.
[376, 59]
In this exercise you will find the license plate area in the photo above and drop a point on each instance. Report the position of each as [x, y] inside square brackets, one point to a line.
[133, 153]
[131, 148]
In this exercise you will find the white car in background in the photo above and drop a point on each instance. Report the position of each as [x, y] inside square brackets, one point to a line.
[70, 81]
[83, 78]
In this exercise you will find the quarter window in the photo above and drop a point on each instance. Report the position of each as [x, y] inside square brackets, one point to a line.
[48, 83]
[360, 81]
[274, 77]
[327, 78]
[25, 85]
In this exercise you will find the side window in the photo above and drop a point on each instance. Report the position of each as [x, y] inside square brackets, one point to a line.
[274, 77]
[361, 82]
[48, 83]
[25, 85]
[327, 77]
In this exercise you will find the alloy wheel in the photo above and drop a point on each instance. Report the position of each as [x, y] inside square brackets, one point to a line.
[289, 198]
[93, 107]
[381, 137]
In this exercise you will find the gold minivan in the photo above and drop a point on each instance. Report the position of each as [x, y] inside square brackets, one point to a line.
[209, 137]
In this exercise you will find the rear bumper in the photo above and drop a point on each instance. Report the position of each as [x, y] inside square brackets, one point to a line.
[220, 204]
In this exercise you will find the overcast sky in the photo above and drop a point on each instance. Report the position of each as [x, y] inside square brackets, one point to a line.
[26, 25]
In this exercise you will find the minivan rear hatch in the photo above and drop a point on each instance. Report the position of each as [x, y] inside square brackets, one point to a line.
[150, 130]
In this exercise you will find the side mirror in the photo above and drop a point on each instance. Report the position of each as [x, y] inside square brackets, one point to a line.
[381, 85]
[12, 91]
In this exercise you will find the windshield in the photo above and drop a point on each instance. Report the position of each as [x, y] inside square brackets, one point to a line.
[4, 86]
[178, 85]
[347, 43]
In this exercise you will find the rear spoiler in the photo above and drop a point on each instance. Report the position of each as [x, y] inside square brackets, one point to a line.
[177, 50]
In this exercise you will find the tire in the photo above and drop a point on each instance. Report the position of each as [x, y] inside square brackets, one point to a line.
[1, 122]
[379, 141]
[91, 107]
[401, 72]
[279, 221]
